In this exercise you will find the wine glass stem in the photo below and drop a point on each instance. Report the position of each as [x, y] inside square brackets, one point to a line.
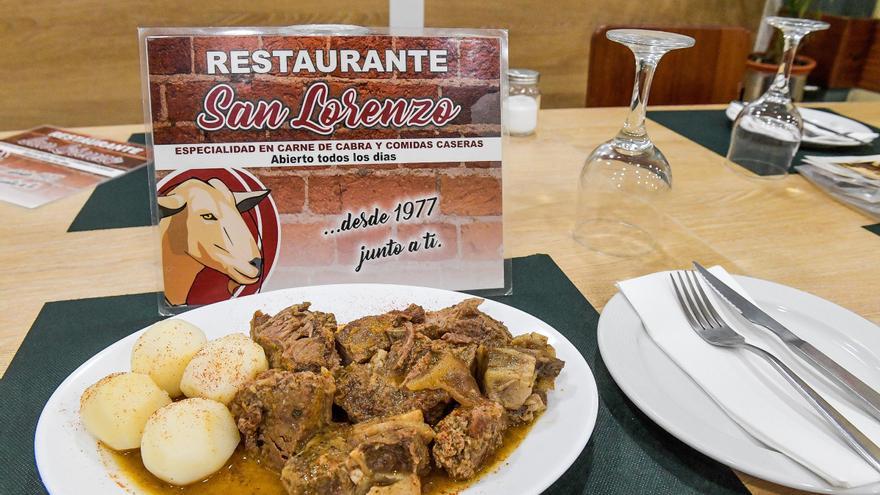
[633, 137]
[781, 82]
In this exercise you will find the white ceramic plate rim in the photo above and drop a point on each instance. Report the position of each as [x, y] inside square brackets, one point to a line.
[741, 453]
[573, 407]
[826, 118]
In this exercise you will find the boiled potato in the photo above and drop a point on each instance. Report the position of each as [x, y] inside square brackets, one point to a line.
[116, 408]
[164, 350]
[222, 367]
[189, 440]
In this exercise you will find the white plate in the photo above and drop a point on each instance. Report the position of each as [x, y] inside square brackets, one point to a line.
[68, 458]
[674, 401]
[817, 138]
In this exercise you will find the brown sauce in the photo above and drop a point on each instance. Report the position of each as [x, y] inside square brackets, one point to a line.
[438, 483]
[240, 476]
[245, 476]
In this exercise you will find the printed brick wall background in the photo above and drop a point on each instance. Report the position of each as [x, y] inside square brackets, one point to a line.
[312, 200]
[178, 81]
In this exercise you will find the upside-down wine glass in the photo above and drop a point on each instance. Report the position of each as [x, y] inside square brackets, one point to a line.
[623, 178]
[768, 131]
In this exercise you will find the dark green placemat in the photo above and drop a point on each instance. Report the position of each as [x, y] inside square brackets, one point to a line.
[708, 128]
[875, 229]
[64, 335]
[628, 454]
[138, 137]
[118, 203]
[711, 129]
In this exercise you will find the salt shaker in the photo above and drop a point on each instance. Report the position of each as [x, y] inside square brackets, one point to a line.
[523, 101]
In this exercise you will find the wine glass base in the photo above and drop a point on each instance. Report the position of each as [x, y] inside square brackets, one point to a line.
[796, 25]
[647, 38]
[614, 238]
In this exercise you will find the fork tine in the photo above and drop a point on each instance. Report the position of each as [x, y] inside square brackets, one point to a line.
[701, 302]
[709, 306]
[694, 307]
[684, 306]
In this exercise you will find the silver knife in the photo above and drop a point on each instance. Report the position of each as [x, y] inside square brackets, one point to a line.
[859, 390]
[836, 133]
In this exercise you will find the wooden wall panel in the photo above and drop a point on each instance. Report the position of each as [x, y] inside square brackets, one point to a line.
[76, 62]
[719, 54]
[841, 52]
[553, 36]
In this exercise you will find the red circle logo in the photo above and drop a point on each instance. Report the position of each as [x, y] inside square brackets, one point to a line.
[220, 235]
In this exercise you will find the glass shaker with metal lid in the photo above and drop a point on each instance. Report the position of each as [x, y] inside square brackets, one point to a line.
[523, 101]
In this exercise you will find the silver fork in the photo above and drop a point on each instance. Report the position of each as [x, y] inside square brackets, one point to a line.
[709, 325]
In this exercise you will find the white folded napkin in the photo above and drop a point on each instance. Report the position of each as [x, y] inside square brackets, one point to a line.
[748, 389]
[814, 134]
[818, 135]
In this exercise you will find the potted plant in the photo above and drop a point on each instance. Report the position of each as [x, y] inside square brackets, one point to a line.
[761, 67]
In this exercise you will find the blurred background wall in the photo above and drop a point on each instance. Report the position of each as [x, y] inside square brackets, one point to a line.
[553, 37]
[75, 63]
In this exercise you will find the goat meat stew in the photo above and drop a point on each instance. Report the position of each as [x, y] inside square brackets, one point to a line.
[402, 403]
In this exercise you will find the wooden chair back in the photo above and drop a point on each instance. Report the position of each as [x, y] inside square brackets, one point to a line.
[709, 72]
[869, 78]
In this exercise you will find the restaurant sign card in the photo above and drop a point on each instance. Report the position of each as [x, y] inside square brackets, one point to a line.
[46, 163]
[288, 157]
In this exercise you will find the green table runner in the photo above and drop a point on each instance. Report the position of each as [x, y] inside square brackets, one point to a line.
[711, 129]
[628, 454]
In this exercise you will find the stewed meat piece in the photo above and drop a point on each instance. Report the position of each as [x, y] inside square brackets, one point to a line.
[411, 347]
[407, 377]
[321, 467]
[411, 485]
[380, 456]
[533, 406]
[468, 437]
[279, 411]
[297, 339]
[371, 390]
[361, 338]
[509, 375]
[547, 365]
[518, 376]
[443, 370]
[465, 320]
[388, 449]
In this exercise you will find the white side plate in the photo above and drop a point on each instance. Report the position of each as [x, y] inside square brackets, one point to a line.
[674, 401]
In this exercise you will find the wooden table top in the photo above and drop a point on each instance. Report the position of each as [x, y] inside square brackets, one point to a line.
[782, 230]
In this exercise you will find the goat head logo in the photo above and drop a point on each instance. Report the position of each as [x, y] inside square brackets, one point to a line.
[203, 224]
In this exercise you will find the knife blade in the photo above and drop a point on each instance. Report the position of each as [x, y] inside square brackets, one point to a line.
[836, 133]
[860, 391]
